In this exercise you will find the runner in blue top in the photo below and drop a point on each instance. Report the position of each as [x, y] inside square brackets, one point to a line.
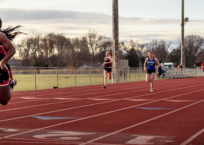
[151, 69]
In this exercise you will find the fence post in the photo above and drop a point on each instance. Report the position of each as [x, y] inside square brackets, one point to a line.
[83, 71]
[115, 75]
[90, 76]
[75, 76]
[103, 76]
[57, 76]
[195, 72]
[112, 76]
[112, 73]
[35, 77]
[125, 75]
[129, 75]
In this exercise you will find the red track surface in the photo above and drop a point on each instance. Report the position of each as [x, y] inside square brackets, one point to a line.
[107, 116]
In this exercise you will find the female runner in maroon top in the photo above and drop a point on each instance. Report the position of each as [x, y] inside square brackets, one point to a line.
[107, 67]
[7, 51]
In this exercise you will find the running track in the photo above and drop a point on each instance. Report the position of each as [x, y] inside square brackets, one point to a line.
[125, 113]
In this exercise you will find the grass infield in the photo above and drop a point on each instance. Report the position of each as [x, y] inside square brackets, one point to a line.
[48, 81]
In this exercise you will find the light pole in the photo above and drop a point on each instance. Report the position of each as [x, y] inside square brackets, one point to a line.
[183, 21]
[115, 40]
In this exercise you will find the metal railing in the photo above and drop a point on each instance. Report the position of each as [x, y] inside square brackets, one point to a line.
[184, 73]
[31, 78]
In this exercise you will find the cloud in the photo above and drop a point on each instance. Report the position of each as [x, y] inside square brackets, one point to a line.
[20, 15]
[50, 15]
[74, 23]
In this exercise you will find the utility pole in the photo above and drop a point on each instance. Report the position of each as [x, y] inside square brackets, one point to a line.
[116, 40]
[183, 56]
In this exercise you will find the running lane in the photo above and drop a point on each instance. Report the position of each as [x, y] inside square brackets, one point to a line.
[109, 122]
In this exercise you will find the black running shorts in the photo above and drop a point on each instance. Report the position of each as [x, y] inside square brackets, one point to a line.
[108, 69]
[150, 71]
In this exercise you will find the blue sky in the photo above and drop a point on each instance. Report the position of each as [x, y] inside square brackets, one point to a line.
[142, 20]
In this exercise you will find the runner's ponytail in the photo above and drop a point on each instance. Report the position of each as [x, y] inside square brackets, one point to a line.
[10, 32]
[111, 55]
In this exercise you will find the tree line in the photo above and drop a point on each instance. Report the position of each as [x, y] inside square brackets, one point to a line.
[57, 50]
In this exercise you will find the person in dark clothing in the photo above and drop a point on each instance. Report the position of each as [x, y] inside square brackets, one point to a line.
[160, 71]
[181, 67]
[107, 65]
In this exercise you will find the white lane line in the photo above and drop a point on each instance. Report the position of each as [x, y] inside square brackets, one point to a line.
[63, 91]
[70, 93]
[94, 98]
[105, 99]
[192, 137]
[98, 86]
[34, 142]
[88, 93]
[95, 93]
[96, 139]
[140, 100]
[85, 105]
[179, 101]
[64, 98]
[52, 143]
[30, 98]
[87, 87]
[101, 91]
[51, 93]
[59, 141]
[38, 139]
[45, 140]
[92, 116]
[74, 95]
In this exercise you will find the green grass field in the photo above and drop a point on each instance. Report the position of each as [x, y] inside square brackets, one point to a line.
[48, 81]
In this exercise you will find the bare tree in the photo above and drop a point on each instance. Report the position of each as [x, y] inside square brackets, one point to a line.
[194, 44]
[175, 56]
[105, 45]
[93, 42]
[58, 50]
[82, 52]
[29, 48]
[159, 48]
[61, 44]
[69, 53]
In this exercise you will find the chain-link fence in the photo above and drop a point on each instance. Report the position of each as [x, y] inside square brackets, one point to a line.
[31, 78]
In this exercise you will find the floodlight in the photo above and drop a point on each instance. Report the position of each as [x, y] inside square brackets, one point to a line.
[186, 19]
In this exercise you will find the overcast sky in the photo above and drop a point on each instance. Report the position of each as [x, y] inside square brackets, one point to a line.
[142, 20]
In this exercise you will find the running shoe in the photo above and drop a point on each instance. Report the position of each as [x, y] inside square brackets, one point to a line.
[104, 87]
[151, 91]
[13, 83]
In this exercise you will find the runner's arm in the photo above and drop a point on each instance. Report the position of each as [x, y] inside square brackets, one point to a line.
[157, 63]
[8, 46]
[145, 64]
